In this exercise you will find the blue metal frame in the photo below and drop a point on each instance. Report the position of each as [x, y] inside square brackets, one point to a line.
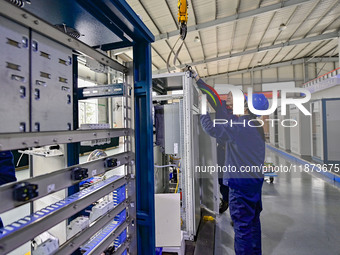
[144, 149]
[119, 13]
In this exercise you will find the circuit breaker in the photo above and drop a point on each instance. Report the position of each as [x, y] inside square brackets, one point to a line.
[14, 77]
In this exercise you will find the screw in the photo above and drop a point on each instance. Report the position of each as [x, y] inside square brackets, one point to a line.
[36, 141]
[70, 139]
[24, 16]
[36, 22]
[95, 134]
[69, 39]
[75, 207]
[55, 140]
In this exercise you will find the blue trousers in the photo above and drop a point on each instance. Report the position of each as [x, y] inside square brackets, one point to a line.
[224, 189]
[245, 208]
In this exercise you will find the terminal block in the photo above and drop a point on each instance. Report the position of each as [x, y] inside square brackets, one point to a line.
[25, 191]
[49, 247]
[79, 173]
[100, 209]
[111, 162]
[76, 226]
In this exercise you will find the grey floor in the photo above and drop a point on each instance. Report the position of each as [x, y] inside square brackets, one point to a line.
[301, 215]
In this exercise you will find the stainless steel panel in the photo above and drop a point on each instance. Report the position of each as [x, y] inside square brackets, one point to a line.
[207, 157]
[283, 132]
[300, 136]
[52, 87]
[333, 131]
[14, 62]
[171, 129]
[317, 130]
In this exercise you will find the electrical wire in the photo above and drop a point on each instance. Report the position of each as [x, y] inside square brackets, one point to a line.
[165, 166]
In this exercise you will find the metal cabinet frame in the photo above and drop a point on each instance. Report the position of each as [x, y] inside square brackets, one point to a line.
[119, 18]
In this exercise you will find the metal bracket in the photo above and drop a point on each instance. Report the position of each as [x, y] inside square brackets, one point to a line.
[112, 90]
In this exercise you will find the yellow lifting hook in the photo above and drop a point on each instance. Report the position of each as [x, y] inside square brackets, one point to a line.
[183, 17]
[182, 20]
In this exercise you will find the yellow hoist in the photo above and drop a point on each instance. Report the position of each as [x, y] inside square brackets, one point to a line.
[182, 20]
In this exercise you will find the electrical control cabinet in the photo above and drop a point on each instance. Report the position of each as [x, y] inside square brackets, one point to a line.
[300, 136]
[273, 129]
[325, 133]
[39, 68]
[283, 129]
[14, 73]
[191, 146]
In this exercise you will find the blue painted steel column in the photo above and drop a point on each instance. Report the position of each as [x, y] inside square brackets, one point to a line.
[144, 149]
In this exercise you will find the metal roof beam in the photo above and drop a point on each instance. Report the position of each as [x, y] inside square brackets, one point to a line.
[232, 18]
[275, 46]
[275, 65]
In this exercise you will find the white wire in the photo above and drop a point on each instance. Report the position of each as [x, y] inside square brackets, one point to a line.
[22, 154]
[165, 166]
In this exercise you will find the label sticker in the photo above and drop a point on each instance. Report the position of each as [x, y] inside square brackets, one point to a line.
[176, 148]
[50, 188]
[94, 172]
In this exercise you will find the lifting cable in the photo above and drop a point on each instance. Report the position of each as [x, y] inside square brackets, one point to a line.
[182, 19]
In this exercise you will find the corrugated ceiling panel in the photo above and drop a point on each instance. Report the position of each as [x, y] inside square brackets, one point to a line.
[294, 52]
[245, 61]
[269, 2]
[212, 68]
[223, 66]
[308, 49]
[208, 39]
[159, 13]
[226, 8]
[195, 50]
[269, 56]
[247, 5]
[328, 19]
[224, 35]
[322, 7]
[312, 20]
[281, 54]
[273, 28]
[205, 10]
[140, 11]
[261, 23]
[328, 49]
[241, 34]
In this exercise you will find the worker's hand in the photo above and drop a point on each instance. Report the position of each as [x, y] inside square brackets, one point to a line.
[194, 75]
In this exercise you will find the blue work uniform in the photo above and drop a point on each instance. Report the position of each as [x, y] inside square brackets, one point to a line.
[245, 148]
[7, 170]
[222, 113]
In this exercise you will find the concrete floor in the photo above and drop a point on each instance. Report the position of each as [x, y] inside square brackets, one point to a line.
[301, 215]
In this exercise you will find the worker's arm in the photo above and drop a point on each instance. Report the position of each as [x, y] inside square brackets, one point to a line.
[212, 96]
[7, 169]
[220, 131]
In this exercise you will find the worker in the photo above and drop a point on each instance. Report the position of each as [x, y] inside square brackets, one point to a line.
[222, 112]
[7, 170]
[245, 147]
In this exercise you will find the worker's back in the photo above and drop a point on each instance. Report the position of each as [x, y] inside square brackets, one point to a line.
[245, 151]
